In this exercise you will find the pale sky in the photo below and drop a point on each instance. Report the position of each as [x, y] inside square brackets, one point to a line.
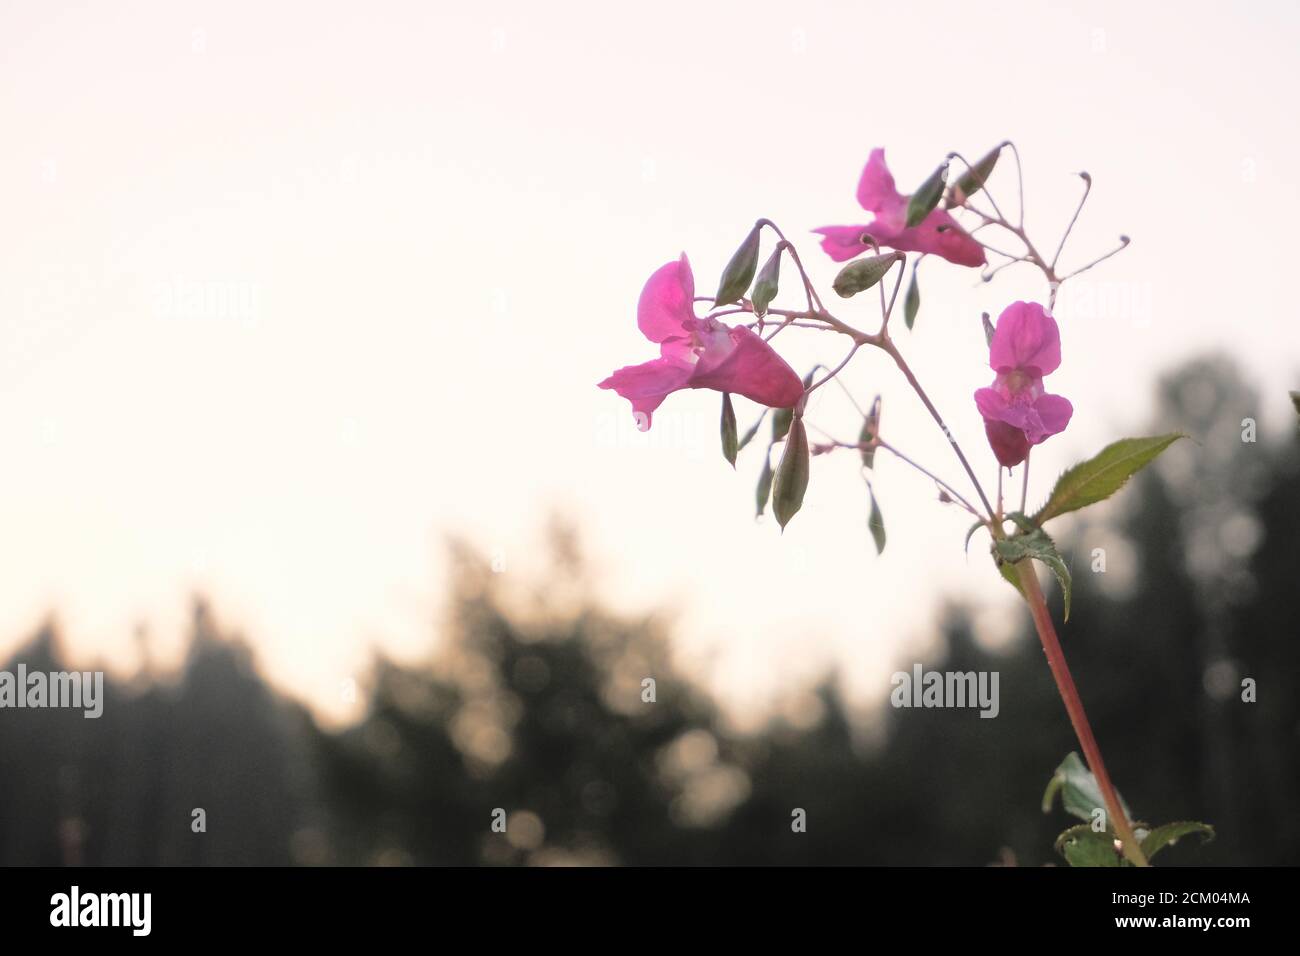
[290, 291]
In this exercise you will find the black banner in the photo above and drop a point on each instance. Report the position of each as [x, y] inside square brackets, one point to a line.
[331, 905]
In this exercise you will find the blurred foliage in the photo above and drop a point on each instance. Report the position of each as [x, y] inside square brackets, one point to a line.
[534, 704]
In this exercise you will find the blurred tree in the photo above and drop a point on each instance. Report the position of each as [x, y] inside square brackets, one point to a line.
[542, 716]
[121, 788]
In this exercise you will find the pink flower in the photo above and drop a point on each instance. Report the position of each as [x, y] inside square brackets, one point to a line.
[1017, 412]
[698, 353]
[938, 233]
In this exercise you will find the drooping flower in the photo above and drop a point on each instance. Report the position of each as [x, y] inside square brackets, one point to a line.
[1017, 413]
[938, 233]
[698, 352]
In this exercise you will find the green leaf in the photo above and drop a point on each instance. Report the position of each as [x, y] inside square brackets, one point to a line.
[974, 178]
[876, 522]
[753, 430]
[1168, 834]
[764, 489]
[1033, 543]
[861, 274]
[912, 301]
[971, 533]
[739, 272]
[927, 196]
[870, 428]
[791, 475]
[765, 286]
[730, 444]
[1080, 795]
[1083, 846]
[1101, 476]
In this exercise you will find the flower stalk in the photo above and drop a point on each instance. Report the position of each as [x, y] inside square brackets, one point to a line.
[1129, 845]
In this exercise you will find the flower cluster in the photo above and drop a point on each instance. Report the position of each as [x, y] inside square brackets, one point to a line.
[704, 352]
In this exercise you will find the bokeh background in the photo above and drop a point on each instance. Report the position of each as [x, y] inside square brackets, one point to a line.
[301, 312]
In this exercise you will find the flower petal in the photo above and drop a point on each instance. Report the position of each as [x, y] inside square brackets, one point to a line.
[991, 403]
[1029, 418]
[940, 235]
[1013, 427]
[752, 369]
[844, 242]
[1026, 337]
[648, 384]
[1009, 444]
[1054, 412]
[876, 190]
[667, 301]
[994, 406]
[1025, 418]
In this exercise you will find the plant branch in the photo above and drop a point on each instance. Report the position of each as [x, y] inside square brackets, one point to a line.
[886, 344]
[931, 475]
[1123, 244]
[1087, 188]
